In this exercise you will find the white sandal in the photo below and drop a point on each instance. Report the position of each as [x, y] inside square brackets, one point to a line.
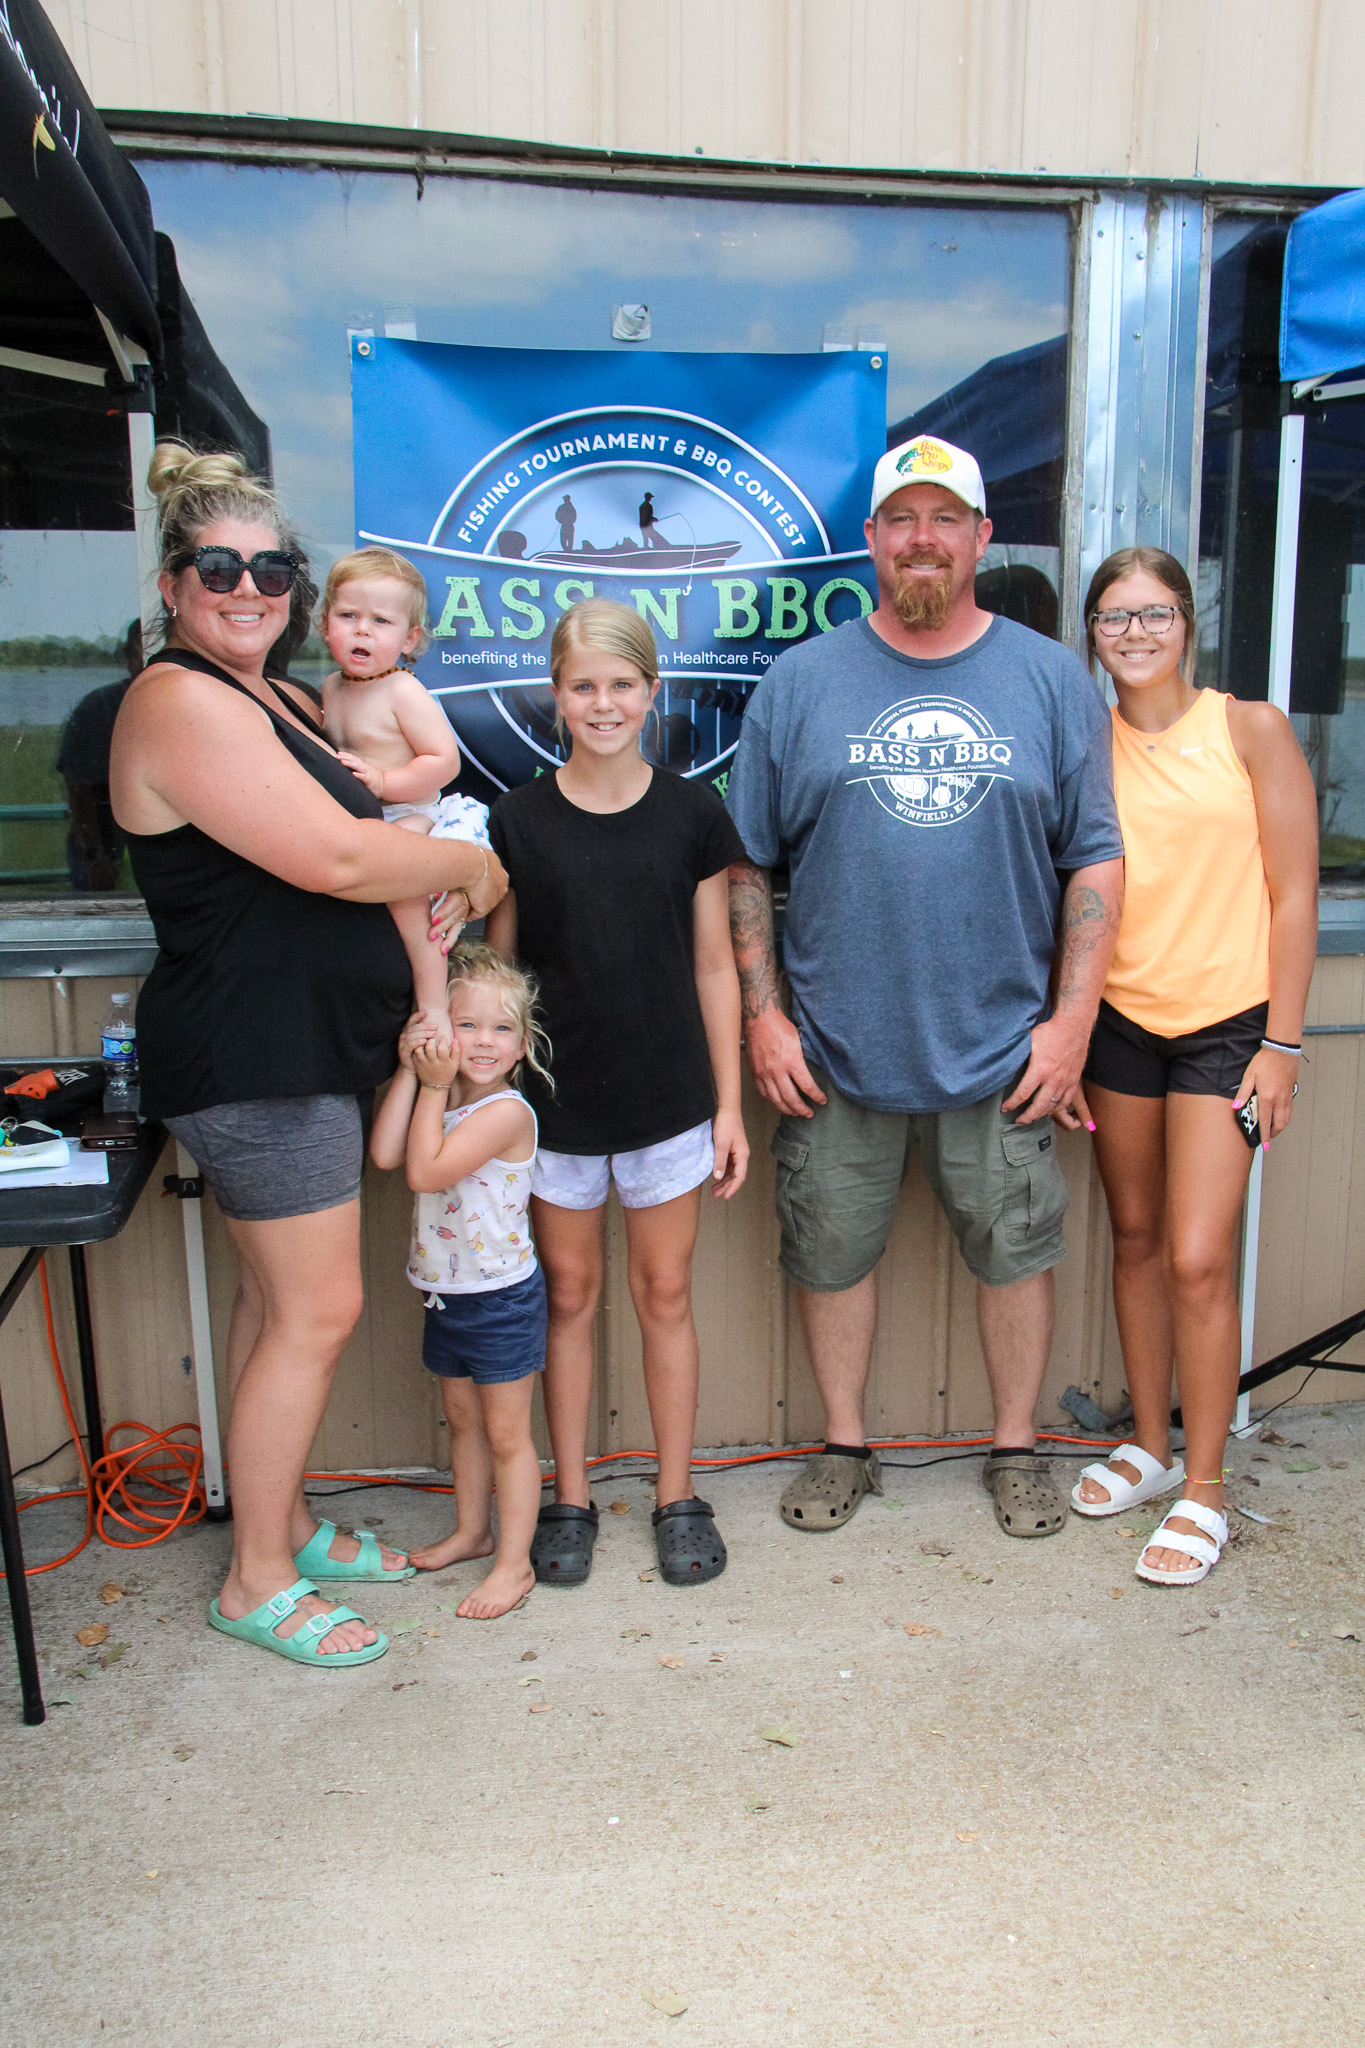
[1207, 1548]
[1127, 1493]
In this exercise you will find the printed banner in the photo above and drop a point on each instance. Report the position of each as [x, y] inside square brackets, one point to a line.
[722, 495]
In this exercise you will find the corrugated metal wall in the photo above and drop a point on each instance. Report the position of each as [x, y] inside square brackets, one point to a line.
[927, 1374]
[1227, 89]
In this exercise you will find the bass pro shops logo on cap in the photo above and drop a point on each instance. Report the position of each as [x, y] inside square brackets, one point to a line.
[927, 460]
[924, 458]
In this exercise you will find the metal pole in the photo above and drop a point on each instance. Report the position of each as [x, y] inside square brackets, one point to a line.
[85, 1351]
[1286, 572]
[11, 1547]
[201, 1343]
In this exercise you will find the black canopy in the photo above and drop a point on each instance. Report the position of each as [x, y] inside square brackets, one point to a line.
[76, 235]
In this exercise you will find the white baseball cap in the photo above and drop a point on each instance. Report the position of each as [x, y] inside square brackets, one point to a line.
[927, 460]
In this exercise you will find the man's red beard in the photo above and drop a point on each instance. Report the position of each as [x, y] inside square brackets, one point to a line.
[922, 602]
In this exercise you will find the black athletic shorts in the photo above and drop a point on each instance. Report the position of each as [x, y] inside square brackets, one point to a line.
[1211, 1061]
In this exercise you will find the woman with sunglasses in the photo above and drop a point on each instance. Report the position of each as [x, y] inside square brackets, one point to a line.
[1202, 1017]
[272, 1012]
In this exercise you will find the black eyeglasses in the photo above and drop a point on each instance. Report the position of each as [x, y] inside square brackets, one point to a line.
[221, 569]
[1153, 618]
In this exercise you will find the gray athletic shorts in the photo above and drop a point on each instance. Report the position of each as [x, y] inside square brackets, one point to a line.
[839, 1177]
[285, 1157]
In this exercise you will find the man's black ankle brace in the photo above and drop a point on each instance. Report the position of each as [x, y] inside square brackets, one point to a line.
[848, 1450]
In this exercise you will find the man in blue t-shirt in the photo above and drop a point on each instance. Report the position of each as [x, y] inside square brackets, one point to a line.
[939, 781]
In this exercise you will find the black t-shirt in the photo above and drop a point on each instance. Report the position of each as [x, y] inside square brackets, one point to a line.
[604, 922]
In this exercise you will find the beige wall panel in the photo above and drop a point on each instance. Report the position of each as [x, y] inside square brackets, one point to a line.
[1230, 89]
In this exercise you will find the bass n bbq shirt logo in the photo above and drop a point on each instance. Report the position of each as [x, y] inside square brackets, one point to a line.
[929, 760]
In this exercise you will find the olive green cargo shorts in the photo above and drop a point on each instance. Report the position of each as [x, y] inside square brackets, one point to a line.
[839, 1175]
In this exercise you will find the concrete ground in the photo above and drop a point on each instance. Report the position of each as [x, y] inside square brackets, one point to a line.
[1029, 1799]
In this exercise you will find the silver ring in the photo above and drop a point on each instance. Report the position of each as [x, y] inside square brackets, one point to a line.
[1056, 1098]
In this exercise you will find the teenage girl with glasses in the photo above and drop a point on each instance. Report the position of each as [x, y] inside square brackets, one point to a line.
[1202, 1018]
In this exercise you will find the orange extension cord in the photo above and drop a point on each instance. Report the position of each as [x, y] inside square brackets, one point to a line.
[166, 1467]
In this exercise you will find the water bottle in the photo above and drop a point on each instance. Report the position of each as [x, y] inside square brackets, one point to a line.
[119, 1035]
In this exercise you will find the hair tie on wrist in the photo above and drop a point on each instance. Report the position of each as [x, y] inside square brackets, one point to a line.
[1274, 1045]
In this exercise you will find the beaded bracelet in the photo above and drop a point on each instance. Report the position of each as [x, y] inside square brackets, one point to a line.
[1274, 1045]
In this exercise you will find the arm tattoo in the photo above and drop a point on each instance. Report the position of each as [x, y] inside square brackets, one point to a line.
[751, 935]
[1087, 922]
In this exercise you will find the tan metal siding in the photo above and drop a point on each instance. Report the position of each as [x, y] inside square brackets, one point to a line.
[1245, 90]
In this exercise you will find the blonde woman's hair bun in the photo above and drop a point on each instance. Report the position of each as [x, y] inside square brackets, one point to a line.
[174, 467]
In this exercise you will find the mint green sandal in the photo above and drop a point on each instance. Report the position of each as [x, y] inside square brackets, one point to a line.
[363, 1568]
[259, 1627]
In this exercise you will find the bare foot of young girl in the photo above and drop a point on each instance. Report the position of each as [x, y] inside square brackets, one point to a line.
[499, 1593]
[434, 1557]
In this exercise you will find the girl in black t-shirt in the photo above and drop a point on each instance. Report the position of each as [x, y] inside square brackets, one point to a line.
[618, 905]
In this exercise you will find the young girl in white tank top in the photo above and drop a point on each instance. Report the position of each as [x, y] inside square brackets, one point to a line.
[469, 1143]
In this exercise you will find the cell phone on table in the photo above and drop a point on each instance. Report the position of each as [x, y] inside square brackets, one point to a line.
[117, 1132]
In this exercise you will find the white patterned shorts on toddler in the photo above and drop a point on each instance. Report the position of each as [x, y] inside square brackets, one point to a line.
[452, 817]
[644, 1179]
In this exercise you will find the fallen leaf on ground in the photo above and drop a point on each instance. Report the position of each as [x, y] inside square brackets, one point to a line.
[1301, 1465]
[966, 1835]
[153, 1873]
[781, 1733]
[894, 1505]
[96, 1633]
[528, 1656]
[1200, 1628]
[405, 1628]
[1339, 1464]
[838, 1579]
[182, 1752]
[635, 1635]
[531, 1679]
[1130, 1532]
[113, 1653]
[1272, 1436]
[755, 1805]
[1260, 1457]
[645, 1578]
[542, 1706]
[620, 1507]
[716, 1657]
[669, 1662]
[1346, 1635]
[112, 1592]
[1252, 1516]
[921, 1628]
[447, 1607]
[936, 1549]
[666, 2002]
[1116, 1592]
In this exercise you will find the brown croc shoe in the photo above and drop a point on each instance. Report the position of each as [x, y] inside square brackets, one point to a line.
[1028, 1501]
[826, 1494]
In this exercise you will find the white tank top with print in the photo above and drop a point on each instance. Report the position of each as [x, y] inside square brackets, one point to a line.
[473, 1237]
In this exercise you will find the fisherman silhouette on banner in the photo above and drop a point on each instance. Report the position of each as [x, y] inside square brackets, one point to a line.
[649, 533]
[567, 515]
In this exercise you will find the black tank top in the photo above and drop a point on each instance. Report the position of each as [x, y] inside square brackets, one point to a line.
[261, 989]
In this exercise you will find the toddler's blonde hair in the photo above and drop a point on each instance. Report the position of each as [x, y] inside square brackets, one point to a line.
[366, 565]
[473, 961]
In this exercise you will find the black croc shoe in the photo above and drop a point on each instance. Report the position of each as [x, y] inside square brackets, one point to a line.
[561, 1549]
[690, 1546]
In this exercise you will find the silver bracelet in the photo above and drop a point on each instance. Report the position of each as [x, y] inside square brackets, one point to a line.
[1274, 1045]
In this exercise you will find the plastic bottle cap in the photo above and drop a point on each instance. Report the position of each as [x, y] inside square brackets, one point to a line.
[125, 997]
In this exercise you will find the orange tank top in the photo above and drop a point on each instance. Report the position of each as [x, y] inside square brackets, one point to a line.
[1194, 943]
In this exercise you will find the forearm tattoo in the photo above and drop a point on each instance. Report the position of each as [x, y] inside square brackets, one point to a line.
[1089, 922]
[751, 935]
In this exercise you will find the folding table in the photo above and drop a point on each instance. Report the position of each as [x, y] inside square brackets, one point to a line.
[38, 1218]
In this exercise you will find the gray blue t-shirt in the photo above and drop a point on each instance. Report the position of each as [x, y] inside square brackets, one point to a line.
[925, 808]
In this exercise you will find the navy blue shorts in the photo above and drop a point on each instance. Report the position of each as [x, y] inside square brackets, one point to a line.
[488, 1338]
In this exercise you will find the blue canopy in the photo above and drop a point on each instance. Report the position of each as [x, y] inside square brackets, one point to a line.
[1322, 312]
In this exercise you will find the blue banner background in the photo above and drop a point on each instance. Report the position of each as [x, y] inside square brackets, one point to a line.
[515, 479]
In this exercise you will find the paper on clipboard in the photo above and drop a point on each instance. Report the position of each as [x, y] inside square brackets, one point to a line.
[82, 1170]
